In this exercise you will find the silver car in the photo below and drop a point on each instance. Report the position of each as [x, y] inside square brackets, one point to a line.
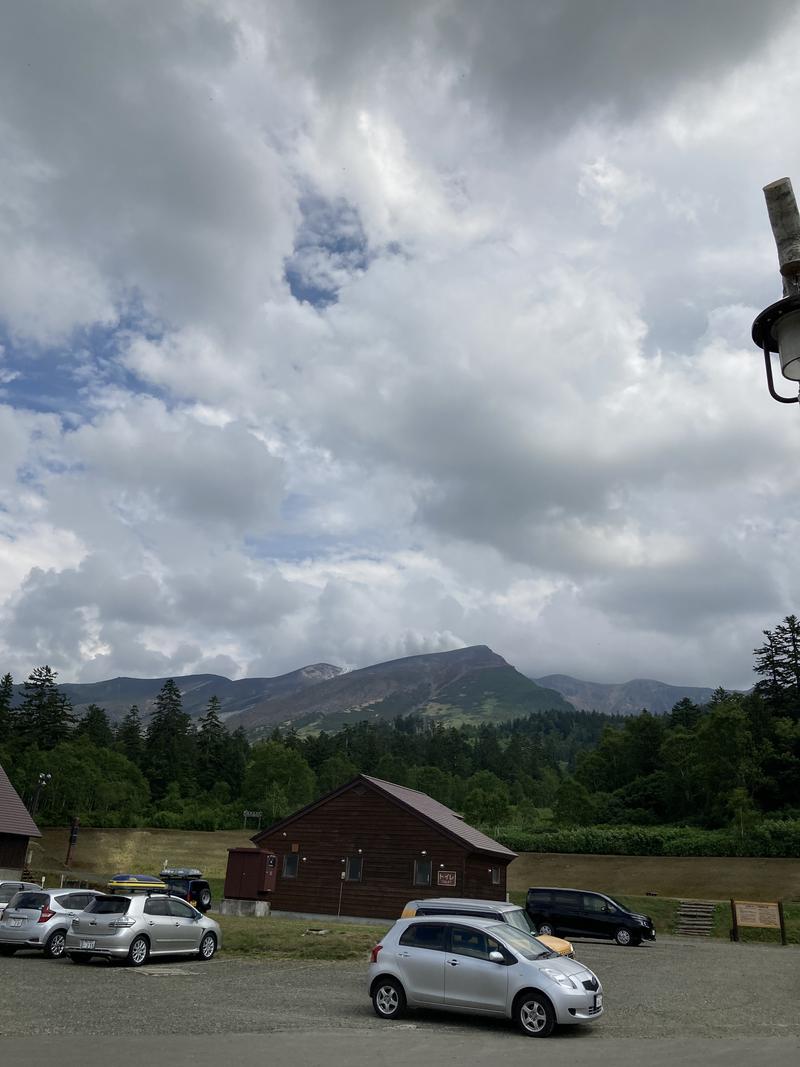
[133, 928]
[480, 966]
[40, 918]
[10, 889]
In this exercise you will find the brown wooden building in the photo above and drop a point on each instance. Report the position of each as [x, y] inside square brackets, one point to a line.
[16, 829]
[370, 846]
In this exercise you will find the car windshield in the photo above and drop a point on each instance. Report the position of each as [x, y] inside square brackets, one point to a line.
[525, 944]
[518, 918]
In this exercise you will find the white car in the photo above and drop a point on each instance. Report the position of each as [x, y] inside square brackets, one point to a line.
[480, 966]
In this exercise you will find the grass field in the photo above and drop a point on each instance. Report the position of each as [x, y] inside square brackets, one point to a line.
[700, 877]
[293, 939]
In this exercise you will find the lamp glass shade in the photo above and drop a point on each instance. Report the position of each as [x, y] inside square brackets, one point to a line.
[787, 332]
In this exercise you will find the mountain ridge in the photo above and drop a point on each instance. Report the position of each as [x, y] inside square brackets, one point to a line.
[623, 698]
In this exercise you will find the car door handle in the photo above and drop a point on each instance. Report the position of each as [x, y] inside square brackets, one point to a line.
[177, 924]
[403, 955]
[453, 963]
[151, 923]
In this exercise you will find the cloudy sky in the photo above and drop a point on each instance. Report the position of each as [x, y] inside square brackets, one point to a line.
[350, 329]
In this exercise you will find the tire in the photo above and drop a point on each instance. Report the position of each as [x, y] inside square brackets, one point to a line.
[546, 928]
[208, 946]
[388, 999]
[204, 903]
[7, 950]
[79, 957]
[56, 945]
[624, 937]
[534, 1014]
[138, 952]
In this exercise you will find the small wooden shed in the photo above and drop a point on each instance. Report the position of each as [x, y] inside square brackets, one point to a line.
[368, 847]
[16, 829]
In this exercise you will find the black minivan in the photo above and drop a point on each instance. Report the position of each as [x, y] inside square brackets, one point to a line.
[579, 913]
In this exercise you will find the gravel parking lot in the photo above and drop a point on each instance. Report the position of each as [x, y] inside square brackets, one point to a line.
[675, 989]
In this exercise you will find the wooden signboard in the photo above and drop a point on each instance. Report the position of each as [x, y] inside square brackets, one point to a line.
[446, 878]
[765, 915]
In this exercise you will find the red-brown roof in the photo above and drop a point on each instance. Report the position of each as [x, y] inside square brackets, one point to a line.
[14, 816]
[418, 803]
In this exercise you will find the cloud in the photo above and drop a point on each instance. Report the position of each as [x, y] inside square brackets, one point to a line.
[348, 331]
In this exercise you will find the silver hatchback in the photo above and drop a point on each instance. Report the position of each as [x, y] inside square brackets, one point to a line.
[40, 918]
[483, 967]
[133, 928]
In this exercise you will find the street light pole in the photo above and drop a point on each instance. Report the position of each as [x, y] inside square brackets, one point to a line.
[777, 328]
[42, 782]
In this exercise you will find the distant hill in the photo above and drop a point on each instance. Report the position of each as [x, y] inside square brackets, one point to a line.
[624, 698]
[117, 694]
[466, 685]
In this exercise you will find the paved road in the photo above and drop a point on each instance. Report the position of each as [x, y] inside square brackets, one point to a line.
[671, 997]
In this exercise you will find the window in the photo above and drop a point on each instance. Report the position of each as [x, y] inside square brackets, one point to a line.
[157, 906]
[7, 892]
[594, 904]
[180, 909]
[495, 872]
[290, 865]
[467, 942]
[354, 868]
[109, 906]
[422, 872]
[424, 935]
[33, 901]
[566, 900]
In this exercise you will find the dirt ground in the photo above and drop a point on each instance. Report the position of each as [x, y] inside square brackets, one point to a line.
[704, 877]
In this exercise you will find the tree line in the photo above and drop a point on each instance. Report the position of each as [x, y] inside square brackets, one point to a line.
[729, 763]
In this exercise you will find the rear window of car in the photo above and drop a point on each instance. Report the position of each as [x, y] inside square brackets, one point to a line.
[34, 901]
[424, 935]
[109, 906]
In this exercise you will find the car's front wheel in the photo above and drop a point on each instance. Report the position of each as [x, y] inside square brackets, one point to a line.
[388, 999]
[534, 1015]
[547, 929]
[55, 945]
[623, 936]
[139, 952]
[208, 946]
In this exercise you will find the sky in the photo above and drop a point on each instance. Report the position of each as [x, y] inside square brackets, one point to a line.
[345, 331]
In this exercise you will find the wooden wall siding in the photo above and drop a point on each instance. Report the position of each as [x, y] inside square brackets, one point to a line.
[390, 839]
[13, 850]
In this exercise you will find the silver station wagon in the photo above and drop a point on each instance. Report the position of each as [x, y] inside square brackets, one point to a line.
[483, 967]
[133, 928]
[40, 918]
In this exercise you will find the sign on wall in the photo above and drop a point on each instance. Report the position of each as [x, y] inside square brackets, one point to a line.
[446, 878]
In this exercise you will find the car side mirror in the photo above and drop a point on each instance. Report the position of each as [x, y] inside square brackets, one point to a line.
[497, 957]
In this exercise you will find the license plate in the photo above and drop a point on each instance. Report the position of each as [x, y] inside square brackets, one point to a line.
[598, 1000]
[15, 922]
[87, 944]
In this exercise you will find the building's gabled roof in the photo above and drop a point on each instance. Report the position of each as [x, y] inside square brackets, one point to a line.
[412, 800]
[14, 816]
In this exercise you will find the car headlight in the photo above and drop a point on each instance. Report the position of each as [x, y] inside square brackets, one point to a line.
[644, 922]
[561, 979]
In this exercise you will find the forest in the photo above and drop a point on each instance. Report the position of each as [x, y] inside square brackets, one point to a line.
[723, 778]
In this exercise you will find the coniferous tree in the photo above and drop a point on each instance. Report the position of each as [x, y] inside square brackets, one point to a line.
[6, 701]
[45, 715]
[95, 727]
[212, 746]
[168, 743]
[129, 738]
